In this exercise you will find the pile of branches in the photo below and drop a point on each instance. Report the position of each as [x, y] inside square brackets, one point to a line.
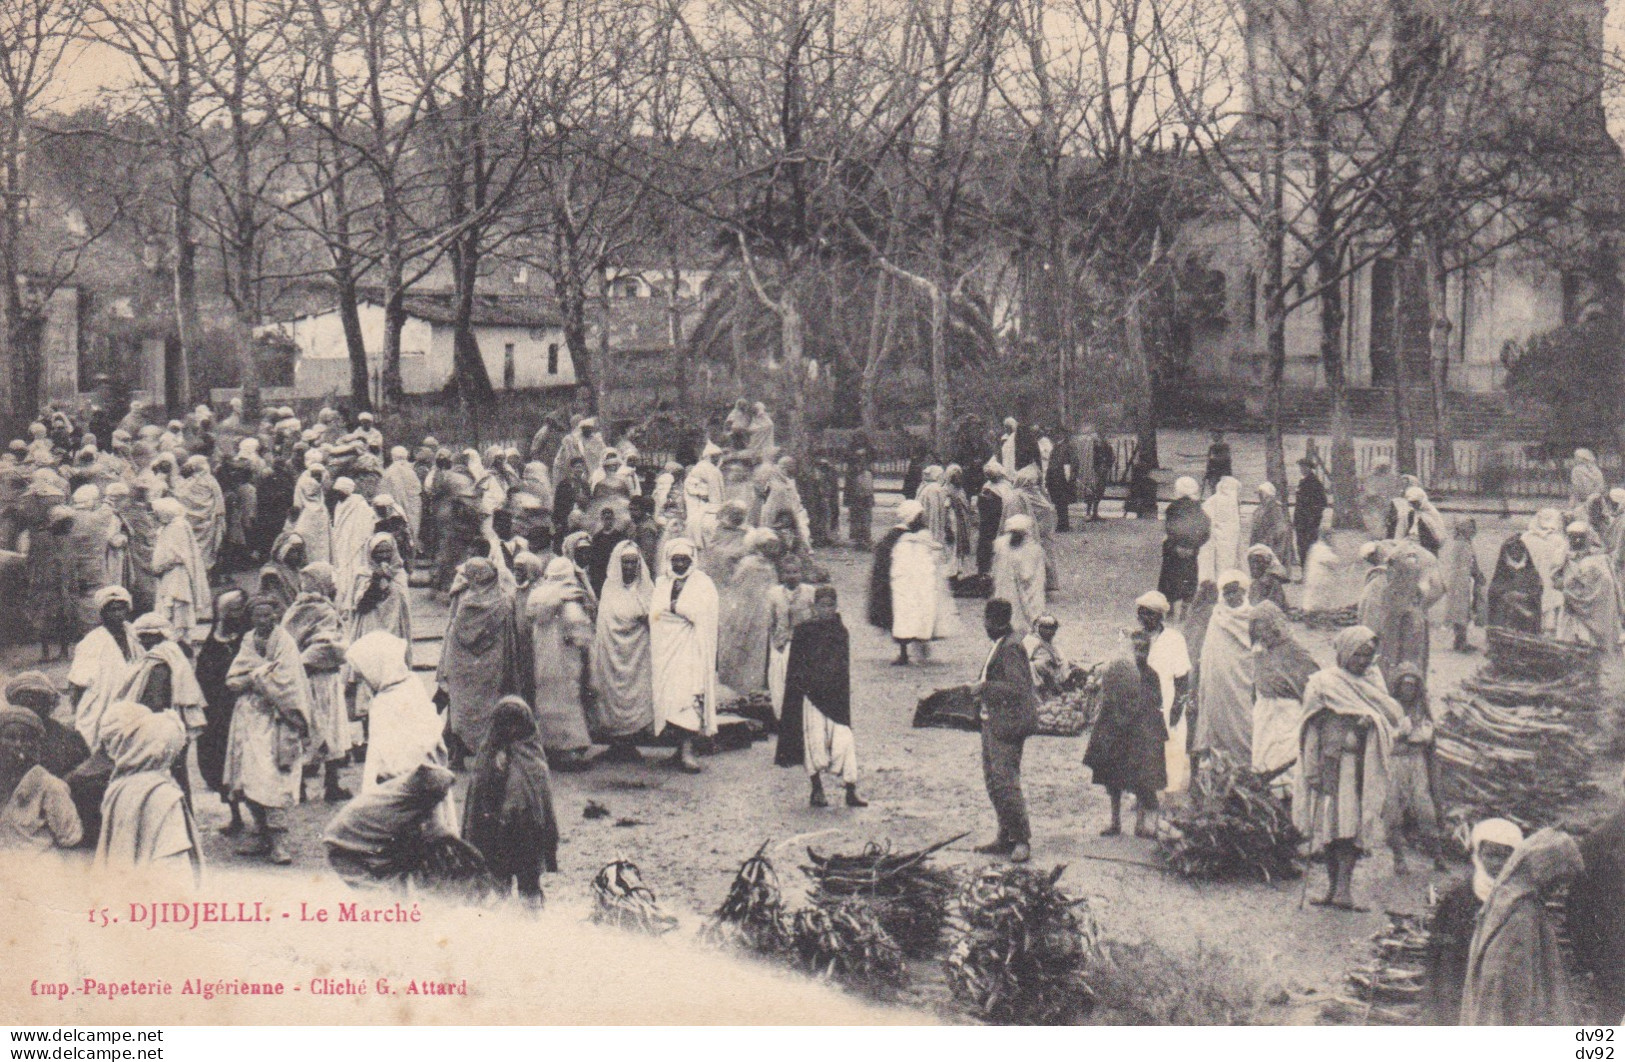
[1528, 764]
[620, 899]
[845, 942]
[1326, 619]
[1232, 827]
[909, 896]
[1526, 669]
[1390, 988]
[838, 938]
[1019, 947]
[752, 915]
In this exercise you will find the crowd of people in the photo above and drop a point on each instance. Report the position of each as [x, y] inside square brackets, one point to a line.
[1214, 675]
[241, 590]
[245, 590]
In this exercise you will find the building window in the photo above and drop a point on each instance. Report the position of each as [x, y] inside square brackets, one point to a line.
[552, 359]
[508, 371]
[627, 287]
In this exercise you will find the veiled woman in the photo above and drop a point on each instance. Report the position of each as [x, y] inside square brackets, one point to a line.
[479, 659]
[95, 550]
[205, 503]
[146, 821]
[962, 519]
[404, 729]
[309, 518]
[143, 527]
[559, 628]
[1224, 694]
[724, 543]
[746, 619]
[318, 630]
[400, 481]
[381, 602]
[1222, 550]
[1270, 525]
[1514, 596]
[621, 665]
[353, 525]
[509, 813]
[1548, 547]
[270, 728]
[1031, 500]
[1281, 671]
[182, 595]
[279, 577]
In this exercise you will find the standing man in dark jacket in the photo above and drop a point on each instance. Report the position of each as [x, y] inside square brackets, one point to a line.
[1310, 510]
[1009, 717]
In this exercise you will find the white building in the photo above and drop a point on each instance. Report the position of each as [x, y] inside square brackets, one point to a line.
[523, 347]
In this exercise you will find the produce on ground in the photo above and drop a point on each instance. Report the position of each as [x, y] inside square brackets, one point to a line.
[1233, 826]
[752, 915]
[1019, 948]
[845, 942]
[908, 895]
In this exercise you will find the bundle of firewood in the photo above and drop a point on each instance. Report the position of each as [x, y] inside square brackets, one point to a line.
[1530, 764]
[1233, 826]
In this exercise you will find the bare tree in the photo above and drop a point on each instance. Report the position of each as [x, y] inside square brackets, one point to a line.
[579, 211]
[1306, 157]
[1099, 185]
[35, 37]
[783, 84]
[243, 161]
[480, 63]
[1508, 125]
[157, 37]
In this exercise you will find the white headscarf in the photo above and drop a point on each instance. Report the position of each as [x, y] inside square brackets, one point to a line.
[1493, 831]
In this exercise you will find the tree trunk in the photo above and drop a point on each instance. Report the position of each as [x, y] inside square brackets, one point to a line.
[1345, 475]
[1328, 261]
[792, 336]
[1404, 429]
[355, 344]
[574, 305]
[184, 248]
[674, 326]
[596, 393]
[1444, 443]
[1275, 324]
[180, 122]
[1274, 436]
[879, 339]
[469, 374]
[394, 325]
[738, 322]
[1145, 417]
[942, 397]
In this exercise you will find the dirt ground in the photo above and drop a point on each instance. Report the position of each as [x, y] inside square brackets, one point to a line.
[689, 833]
